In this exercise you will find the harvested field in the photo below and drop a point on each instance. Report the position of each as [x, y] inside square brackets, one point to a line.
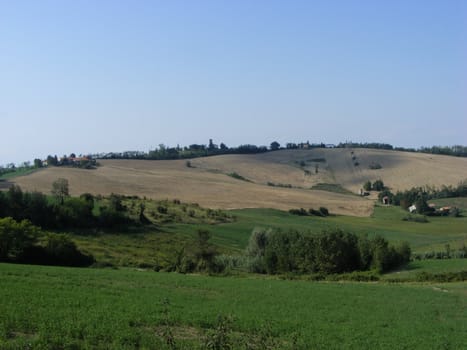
[207, 183]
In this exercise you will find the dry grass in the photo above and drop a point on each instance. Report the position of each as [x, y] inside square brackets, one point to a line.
[206, 182]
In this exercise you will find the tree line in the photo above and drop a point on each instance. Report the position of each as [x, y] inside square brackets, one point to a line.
[62, 211]
[86, 162]
[164, 152]
[456, 150]
[330, 252]
[271, 251]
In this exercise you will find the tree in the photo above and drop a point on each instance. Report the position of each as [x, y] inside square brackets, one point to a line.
[37, 163]
[422, 205]
[211, 146]
[52, 160]
[15, 238]
[378, 185]
[60, 189]
[205, 252]
[15, 203]
[367, 186]
[275, 146]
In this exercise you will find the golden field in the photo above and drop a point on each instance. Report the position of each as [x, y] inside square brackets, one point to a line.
[207, 182]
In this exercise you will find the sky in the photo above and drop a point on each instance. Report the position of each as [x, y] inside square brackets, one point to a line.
[100, 76]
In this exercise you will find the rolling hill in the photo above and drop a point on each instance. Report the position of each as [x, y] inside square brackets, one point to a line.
[282, 179]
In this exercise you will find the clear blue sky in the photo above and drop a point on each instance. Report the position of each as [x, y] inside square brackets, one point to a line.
[97, 76]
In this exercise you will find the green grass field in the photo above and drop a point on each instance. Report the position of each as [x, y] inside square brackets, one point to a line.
[436, 266]
[136, 308]
[157, 243]
[18, 172]
[66, 308]
[460, 203]
[386, 221]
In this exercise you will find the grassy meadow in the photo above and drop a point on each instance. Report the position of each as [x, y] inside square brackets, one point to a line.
[73, 308]
[155, 244]
[17, 172]
[434, 266]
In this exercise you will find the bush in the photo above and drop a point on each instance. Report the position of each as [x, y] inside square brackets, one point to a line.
[324, 211]
[367, 186]
[238, 176]
[314, 212]
[378, 185]
[162, 209]
[300, 212]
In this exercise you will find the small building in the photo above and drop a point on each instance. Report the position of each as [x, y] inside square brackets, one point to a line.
[385, 200]
[445, 210]
[364, 193]
[412, 208]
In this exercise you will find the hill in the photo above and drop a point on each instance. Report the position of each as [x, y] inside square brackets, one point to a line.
[281, 179]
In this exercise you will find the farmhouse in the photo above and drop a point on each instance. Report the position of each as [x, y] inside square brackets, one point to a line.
[445, 210]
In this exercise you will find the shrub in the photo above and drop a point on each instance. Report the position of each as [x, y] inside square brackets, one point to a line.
[375, 165]
[162, 209]
[314, 212]
[378, 185]
[238, 176]
[300, 212]
[324, 211]
[367, 186]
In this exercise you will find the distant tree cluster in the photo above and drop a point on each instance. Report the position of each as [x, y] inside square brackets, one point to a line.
[84, 162]
[373, 145]
[378, 185]
[331, 252]
[419, 196]
[322, 211]
[456, 150]
[63, 211]
[164, 152]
